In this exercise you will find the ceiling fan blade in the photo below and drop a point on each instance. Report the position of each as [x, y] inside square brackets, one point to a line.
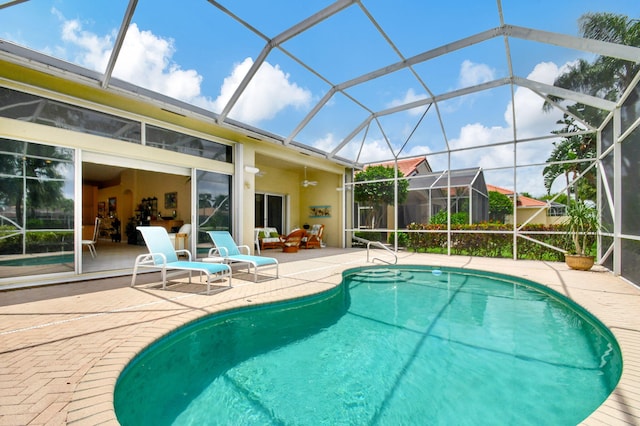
[305, 183]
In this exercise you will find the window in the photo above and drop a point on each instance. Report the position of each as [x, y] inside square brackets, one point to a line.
[187, 144]
[557, 210]
[35, 109]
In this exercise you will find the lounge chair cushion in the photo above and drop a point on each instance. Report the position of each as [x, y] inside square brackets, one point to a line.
[257, 260]
[213, 268]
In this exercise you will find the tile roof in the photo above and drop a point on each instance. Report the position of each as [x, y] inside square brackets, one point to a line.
[407, 166]
[523, 201]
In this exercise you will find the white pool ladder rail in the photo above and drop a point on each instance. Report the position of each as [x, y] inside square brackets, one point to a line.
[382, 246]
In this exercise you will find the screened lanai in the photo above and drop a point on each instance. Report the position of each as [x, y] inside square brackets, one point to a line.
[354, 83]
[428, 195]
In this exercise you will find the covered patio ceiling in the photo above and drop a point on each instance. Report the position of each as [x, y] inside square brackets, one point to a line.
[353, 81]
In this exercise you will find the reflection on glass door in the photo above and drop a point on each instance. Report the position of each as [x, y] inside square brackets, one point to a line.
[214, 199]
[270, 210]
[36, 209]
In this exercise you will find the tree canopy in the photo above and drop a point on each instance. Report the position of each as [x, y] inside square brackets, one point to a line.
[499, 206]
[379, 186]
[379, 189]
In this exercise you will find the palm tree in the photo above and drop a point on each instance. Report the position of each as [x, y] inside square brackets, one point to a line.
[562, 161]
[605, 77]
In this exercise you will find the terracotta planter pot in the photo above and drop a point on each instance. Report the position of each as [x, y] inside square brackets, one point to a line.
[579, 262]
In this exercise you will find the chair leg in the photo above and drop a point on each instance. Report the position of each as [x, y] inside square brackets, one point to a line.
[133, 277]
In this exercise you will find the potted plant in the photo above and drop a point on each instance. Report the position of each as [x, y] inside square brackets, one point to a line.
[581, 224]
[131, 231]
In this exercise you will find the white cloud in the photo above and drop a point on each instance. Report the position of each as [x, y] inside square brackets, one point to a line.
[146, 60]
[326, 143]
[94, 50]
[269, 92]
[409, 96]
[374, 149]
[529, 115]
[472, 74]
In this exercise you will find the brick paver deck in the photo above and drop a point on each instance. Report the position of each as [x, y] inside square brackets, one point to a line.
[62, 347]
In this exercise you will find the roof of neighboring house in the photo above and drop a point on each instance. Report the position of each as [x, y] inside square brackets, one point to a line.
[522, 200]
[407, 166]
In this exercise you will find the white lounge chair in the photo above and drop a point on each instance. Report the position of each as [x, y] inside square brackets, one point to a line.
[226, 248]
[162, 255]
[94, 238]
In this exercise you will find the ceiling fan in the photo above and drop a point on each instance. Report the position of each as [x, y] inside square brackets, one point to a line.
[306, 182]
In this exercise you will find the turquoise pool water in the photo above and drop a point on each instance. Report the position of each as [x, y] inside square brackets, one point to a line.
[37, 260]
[390, 346]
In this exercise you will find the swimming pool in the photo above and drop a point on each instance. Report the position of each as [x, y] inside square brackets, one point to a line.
[35, 259]
[391, 345]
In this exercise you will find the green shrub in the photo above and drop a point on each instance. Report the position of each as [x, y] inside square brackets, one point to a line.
[440, 218]
[35, 242]
[371, 236]
[432, 238]
[403, 239]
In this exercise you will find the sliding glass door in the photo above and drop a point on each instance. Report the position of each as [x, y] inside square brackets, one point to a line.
[213, 214]
[270, 211]
[36, 209]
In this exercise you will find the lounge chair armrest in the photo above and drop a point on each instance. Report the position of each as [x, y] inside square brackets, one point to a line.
[218, 251]
[184, 251]
[244, 248]
[143, 259]
[149, 259]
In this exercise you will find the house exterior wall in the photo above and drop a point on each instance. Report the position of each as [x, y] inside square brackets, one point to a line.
[538, 217]
[281, 179]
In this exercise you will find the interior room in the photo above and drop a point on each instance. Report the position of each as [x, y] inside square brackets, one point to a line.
[123, 198]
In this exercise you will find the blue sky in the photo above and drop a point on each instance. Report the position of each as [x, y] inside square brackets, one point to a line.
[193, 52]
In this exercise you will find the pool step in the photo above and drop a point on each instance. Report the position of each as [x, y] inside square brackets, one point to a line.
[382, 275]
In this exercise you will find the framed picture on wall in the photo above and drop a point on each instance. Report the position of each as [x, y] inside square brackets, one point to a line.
[319, 211]
[113, 205]
[170, 200]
